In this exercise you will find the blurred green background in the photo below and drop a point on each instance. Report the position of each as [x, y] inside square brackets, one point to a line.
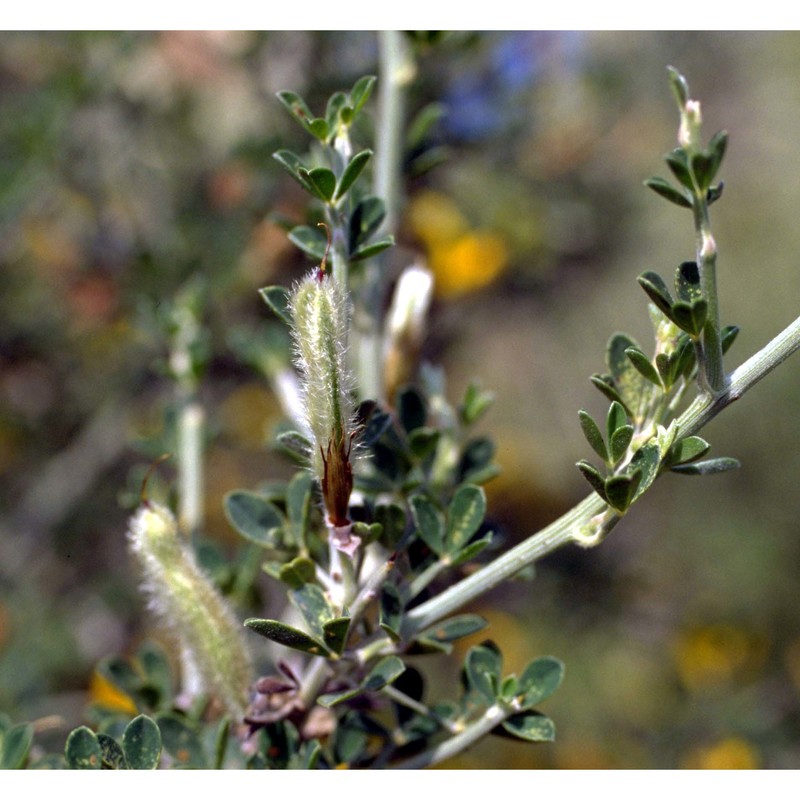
[130, 162]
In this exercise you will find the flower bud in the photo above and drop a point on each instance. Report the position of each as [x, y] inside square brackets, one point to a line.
[691, 120]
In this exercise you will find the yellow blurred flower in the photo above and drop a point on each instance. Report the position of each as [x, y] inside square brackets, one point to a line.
[716, 654]
[103, 693]
[730, 753]
[462, 260]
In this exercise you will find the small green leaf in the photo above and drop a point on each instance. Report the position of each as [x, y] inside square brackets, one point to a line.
[277, 298]
[372, 249]
[314, 606]
[367, 217]
[361, 91]
[470, 551]
[393, 519]
[596, 480]
[621, 489]
[351, 173]
[181, 741]
[710, 467]
[391, 611]
[643, 365]
[294, 165]
[456, 628]
[539, 680]
[386, 671]
[531, 727]
[14, 746]
[82, 750]
[714, 193]
[112, 754]
[483, 667]
[464, 516]
[647, 461]
[141, 743]
[318, 127]
[679, 164]
[605, 383]
[509, 688]
[295, 445]
[336, 102]
[423, 442]
[679, 87]
[690, 317]
[255, 518]
[411, 408]
[616, 418]
[592, 433]
[331, 699]
[633, 388]
[657, 291]
[299, 495]
[476, 461]
[703, 169]
[716, 149]
[669, 192]
[687, 282]
[334, 633]
[728, 336]
[322, 182]
[429, 522]
[310, 240]
[286, 635]
[475, 404]
[368, 533]
[688, 449]
[620, 442]
[298, 571]
[296, 106]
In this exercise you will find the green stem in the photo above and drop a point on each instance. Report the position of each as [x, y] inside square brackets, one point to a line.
[396, 71]
[456, 744]
[585, 524]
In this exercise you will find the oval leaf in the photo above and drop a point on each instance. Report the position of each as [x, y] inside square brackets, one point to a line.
[255, 518]
[668, 192]
[539, 680]
[483, 666]
[710, 467]
[464, 516]
[286, 635]
[592, 433]
[82, 750]
[352, 171]
[688, 449]
[14, 746]
[277, 298]
[141, 743]
[530, 727]
[429, 522]
[456, 628]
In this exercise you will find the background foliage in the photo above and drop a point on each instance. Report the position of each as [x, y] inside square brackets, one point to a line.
[130, 162]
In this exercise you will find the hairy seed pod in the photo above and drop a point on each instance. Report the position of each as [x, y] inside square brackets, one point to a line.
[191, 607]
[320, 318]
